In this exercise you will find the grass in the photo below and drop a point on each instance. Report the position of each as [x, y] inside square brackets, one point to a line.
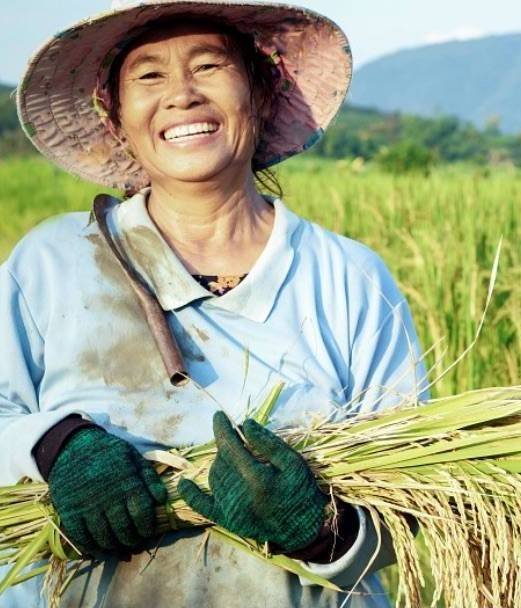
[438, 234]
[33, 190]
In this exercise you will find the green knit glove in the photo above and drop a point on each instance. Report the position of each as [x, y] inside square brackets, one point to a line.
[104, 492]
[278, 501]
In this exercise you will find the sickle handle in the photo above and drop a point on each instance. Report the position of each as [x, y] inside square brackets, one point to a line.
[154, 314]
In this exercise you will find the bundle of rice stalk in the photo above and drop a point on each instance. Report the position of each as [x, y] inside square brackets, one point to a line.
[453, 463]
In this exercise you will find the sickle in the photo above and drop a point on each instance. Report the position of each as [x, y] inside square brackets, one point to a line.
[154, 314]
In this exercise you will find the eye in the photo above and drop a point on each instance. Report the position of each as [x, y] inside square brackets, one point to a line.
[205, 67]
[150, 76]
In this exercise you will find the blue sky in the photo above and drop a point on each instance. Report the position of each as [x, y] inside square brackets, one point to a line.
[375, 27]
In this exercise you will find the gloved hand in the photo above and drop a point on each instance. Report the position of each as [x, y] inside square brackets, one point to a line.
[104, 492]
[278, 502]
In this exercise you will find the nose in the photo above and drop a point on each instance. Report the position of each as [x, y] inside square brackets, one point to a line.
[182, 92]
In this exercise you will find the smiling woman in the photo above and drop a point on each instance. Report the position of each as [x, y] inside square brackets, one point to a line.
[190, 112]
[154, 303]
[217, 58]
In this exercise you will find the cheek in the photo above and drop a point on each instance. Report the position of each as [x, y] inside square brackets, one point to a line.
[135, 111]
[131, 117]
[242, 108]
[238, 99]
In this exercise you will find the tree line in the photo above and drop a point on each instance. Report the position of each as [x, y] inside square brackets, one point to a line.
[397, 142]
[416, 141]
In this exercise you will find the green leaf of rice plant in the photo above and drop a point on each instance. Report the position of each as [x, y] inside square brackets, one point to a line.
[26, 557]
[453, 464]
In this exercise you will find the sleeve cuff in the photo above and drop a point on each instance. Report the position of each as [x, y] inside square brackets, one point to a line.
[331, 543]
[371, 551]
[50, 444]
[18, 438]
[343, 563]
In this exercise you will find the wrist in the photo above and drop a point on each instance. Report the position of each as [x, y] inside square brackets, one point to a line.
[336, 537]
[49, 446]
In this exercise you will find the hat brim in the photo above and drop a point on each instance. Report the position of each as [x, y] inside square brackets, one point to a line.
[55, 95]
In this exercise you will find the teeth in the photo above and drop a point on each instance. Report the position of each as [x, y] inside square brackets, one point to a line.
[184, 130]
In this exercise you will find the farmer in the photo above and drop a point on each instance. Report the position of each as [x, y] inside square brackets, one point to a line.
[165, 319]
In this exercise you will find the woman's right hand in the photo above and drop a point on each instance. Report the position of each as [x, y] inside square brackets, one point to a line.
[105, 492]
[264, 490]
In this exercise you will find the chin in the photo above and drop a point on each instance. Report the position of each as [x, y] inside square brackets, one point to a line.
[203, 171]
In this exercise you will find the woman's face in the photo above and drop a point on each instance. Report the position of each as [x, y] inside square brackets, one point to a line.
[185, 105]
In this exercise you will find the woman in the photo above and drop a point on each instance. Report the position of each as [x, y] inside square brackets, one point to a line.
[190, 100]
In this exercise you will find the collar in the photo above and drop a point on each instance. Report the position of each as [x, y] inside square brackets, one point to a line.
[161, 270]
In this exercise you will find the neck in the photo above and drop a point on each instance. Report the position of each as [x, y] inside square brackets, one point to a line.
[214, 228]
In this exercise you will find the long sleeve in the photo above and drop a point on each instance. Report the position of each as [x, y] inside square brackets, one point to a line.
[386, 368]
[21, 371]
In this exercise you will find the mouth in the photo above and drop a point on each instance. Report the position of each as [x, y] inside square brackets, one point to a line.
[189, 132]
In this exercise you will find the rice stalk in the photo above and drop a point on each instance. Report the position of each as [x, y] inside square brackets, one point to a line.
[453, 464]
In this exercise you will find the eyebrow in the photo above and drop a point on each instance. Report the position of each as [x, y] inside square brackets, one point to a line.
[198, 49]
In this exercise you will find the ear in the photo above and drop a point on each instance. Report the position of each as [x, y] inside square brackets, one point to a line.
[117, 128]
[118, 132]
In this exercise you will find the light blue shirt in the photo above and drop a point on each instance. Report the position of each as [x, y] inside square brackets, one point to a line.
[318, 311]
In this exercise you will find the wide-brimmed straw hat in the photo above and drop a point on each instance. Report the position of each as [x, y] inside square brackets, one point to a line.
[58, 104]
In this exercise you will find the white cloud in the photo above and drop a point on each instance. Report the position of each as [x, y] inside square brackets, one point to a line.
[464, 32]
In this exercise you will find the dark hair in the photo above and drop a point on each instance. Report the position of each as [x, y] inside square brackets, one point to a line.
[262, 75]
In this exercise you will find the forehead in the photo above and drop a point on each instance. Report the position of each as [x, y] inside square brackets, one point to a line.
[183, 35]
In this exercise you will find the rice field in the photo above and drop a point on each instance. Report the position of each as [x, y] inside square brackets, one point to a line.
[438, 235]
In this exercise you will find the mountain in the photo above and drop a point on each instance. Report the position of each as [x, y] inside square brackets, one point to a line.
[476, 80]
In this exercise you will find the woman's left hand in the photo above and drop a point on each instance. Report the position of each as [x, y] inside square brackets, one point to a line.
[278, 501]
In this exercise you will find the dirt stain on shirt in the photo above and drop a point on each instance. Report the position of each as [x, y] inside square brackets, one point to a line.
[167, 428]
[150, 252]
[107, 264]
[124, 352]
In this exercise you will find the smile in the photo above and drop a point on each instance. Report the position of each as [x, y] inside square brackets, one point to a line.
[190, 130]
